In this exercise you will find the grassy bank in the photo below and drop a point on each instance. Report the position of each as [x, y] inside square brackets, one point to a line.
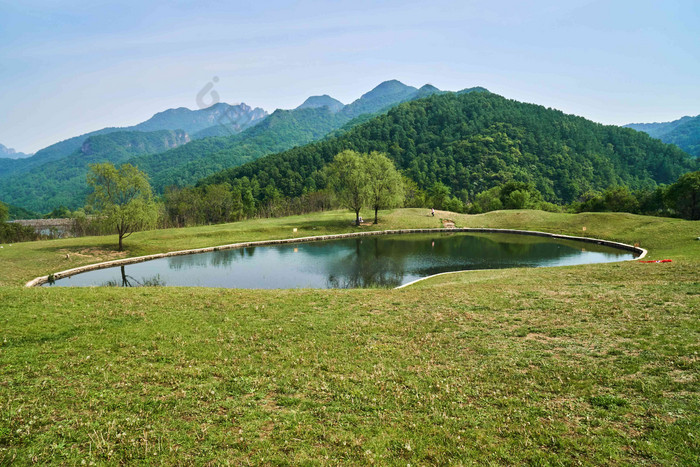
[589, 364]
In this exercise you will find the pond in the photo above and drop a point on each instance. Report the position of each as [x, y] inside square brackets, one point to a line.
[376, 261]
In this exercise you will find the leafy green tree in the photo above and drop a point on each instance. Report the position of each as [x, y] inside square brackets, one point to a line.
[620, 199]
[652, 202]
[455, 204]
[489, 200]
[248, 202]
[438, 195]
[123, 198]
[519, 195]
[414, 197]
[384, 183]
[218, 203]
[684, 196]
[348, 177]
[4, 212]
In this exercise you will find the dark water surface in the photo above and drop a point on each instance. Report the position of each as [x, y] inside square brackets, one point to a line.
[377, 261]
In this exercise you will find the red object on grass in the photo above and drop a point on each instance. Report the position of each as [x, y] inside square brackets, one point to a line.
[657, 261]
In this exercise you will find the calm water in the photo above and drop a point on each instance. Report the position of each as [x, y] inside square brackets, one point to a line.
[381, 261]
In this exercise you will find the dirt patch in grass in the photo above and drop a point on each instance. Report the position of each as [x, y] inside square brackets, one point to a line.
[92, 253]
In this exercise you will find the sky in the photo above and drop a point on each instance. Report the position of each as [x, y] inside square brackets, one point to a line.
[70, 67]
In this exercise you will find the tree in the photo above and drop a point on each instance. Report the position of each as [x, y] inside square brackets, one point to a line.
[218, 203]
[489, 200]
[348, 178]
[684, 196]
[123, 198]
[620, 199]
[439, 195]
[519, 195]
[4, 212]
[384, 184]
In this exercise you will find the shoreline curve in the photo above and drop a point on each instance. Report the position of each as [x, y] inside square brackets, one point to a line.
[641, 252]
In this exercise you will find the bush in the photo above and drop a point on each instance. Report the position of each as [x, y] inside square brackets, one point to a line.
[12, 233]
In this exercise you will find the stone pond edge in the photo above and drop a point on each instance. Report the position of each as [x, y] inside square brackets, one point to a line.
[139, 259]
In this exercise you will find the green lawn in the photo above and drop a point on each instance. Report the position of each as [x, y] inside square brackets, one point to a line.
[592, 364]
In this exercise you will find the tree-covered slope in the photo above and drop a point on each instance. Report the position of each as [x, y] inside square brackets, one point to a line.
[282, 130]
[474, 141]
[686, 136]
[16, 212]
[62, 182]
[684, 133]
[224, 118]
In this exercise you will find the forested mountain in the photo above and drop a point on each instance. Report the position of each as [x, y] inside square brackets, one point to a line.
[47, 182]
[62, 182]
[684, 133]
[9, 153]
[474, 141]
[229, 119]
[282, 130]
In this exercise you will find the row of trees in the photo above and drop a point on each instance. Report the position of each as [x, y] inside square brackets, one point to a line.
[680, 199]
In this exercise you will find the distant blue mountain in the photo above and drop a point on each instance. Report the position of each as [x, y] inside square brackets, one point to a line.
[315, 102]
[684, 133]
[10, 153]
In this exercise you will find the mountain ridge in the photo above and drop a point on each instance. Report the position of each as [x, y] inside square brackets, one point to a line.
[233, 116]
[10, 153]
[187, 163]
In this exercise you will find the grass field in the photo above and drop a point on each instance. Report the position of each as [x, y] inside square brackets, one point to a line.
[592, 364]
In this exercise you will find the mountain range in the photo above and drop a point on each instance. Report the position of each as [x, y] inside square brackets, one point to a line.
[231, 118]
[44, 185]
[684, 133]
[469, 140]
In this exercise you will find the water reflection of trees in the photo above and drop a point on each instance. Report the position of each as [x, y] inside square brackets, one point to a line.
[380, 261]
[385, 261]
[369, 264]
[220, 258]
[127, 280]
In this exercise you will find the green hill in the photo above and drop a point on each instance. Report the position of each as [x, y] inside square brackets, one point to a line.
[62, 182]
[474, 141]
[220, 118]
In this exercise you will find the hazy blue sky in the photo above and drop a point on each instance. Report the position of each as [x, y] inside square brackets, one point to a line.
[69, 67]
